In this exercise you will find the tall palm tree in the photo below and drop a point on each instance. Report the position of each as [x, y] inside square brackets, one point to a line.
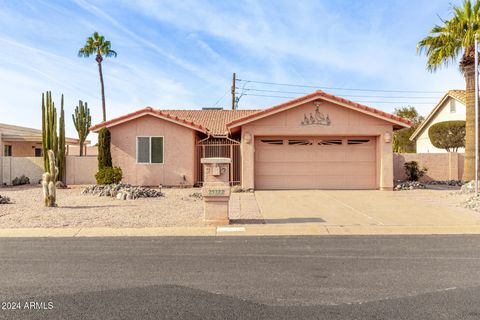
[98, 46]
[446, 43]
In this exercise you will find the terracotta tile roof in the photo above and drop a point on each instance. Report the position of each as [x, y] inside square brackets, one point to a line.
[211, 121]
[214, 120]
[321, 94]
[460, 95]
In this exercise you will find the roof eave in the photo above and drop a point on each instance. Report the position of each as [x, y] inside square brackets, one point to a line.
[148, 111]
[308, 98]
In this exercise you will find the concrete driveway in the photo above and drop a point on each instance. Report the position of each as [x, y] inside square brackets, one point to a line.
[364, 208]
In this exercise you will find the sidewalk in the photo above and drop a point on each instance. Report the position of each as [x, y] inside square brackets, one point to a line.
[307, 229]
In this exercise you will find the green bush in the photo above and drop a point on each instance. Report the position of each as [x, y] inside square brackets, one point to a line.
[109, 175]
[413, 171]
[448, 135]
[20, 181]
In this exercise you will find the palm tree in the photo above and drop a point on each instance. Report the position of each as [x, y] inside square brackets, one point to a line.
[98, 46]
[446, 43]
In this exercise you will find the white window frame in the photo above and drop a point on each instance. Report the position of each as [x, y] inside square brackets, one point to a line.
[453, 106]
[150, 148]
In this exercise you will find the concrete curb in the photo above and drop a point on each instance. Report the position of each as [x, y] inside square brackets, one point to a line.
[307, 229]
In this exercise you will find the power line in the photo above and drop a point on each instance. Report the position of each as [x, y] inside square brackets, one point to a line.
[337, 88]
[362, 101]
[351, 96]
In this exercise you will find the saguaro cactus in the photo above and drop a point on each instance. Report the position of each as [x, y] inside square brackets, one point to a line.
[50, 139]
[60, 154]
[82, 121]
[48, 181]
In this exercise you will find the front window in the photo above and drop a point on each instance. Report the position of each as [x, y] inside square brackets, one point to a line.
[7, 150]
[149, 149]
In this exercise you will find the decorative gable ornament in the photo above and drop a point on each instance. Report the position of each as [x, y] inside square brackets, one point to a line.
[316, 118]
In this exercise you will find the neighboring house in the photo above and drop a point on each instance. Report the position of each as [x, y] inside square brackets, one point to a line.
[450, 107]
[18, 141]
[21, 153]
[318, 141]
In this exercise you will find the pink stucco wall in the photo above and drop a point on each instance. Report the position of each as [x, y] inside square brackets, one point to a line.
[441, 166]
[179, 147]
[344, 122]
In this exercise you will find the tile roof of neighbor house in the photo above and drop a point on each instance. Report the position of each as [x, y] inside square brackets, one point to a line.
[320, 94]
[216, 122]
[459, 95]
[17, 133]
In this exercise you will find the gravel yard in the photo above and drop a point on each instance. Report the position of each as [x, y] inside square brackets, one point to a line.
[177, 208]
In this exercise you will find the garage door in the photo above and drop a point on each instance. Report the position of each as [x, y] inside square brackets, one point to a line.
[315, 163]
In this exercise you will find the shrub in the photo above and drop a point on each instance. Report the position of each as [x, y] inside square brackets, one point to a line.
[109, 175]
[20, 181]
[448, 135]
[413, 171]
[104, 155]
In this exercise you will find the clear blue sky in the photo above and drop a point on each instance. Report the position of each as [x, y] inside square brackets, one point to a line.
[181, 54]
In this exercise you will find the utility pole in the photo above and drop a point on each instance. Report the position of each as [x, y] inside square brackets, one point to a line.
[234, 78]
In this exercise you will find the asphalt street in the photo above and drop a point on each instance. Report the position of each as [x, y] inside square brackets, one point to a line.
[364, 277]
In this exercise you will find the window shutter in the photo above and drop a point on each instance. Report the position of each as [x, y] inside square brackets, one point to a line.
[143, 150]
[157, 150]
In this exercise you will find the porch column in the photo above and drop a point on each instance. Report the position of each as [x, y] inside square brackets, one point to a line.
[386, 160]
[248, 160]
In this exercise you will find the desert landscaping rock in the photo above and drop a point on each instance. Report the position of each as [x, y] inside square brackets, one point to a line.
[409, 185]
[196, 195]
[468, 187]
[122, 191]
[5, 200]
[453, 183]
[77, 210]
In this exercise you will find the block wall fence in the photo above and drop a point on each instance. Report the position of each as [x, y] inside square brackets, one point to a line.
[441, 166]
[80, 170]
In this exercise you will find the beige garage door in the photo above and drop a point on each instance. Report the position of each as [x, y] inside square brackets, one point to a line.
[315, 163]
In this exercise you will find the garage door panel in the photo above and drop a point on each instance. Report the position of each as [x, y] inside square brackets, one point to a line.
[287, 169]
[332, 155]
[359, 168]
[362, 155]
[270, 155]
[295, 154]
[349, 165]
[334, 168]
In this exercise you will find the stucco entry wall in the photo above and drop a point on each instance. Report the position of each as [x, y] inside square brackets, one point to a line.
[179, 147]
[344, 122]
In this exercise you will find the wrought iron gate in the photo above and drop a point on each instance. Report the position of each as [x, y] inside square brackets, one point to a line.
[218, 147]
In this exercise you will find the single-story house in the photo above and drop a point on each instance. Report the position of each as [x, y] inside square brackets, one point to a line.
[318, 141]
[16, 141]
[450, 107]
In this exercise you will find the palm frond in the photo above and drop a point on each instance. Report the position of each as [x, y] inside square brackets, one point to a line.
[451, 40]
[96, 45]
